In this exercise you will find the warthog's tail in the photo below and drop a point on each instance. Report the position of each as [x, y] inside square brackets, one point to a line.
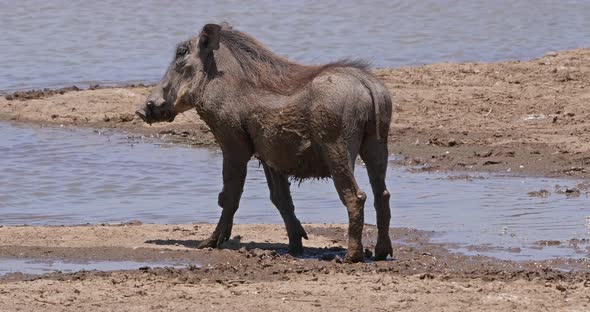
[380, 99]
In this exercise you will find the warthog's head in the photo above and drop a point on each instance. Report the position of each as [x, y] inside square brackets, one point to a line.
[172, 95]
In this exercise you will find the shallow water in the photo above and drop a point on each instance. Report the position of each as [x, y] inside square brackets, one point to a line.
[35, 266]
[56, 43]
[51, 176]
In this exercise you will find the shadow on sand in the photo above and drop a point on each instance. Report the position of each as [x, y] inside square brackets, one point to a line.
[235, 244]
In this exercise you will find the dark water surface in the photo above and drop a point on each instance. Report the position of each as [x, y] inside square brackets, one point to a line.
[57, 43]
[51, 176]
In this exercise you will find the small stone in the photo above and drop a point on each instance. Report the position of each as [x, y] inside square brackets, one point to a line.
[551, 54]
[541, 193]
[548, 243]
[426, 276]
[514, 249]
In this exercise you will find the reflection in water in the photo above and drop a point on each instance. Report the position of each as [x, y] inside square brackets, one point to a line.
[52, 43]
[65, 176]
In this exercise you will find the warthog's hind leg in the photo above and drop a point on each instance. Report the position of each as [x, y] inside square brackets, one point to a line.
[374, 154]
[234, 175]
[280, 195]
[352, 197]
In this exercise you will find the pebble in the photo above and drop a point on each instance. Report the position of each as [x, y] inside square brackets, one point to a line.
[551, 54]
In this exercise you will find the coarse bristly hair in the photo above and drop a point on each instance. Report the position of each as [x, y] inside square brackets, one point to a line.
[262, 68]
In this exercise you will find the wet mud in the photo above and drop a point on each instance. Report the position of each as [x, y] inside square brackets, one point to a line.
[255, 269]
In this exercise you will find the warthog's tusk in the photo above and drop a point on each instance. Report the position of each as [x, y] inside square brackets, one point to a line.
[183, 93]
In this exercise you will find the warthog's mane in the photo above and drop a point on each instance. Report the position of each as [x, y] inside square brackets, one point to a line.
[264, 69]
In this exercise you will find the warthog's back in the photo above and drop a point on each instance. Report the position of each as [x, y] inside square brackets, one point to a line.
[282, 139]
[287, 133]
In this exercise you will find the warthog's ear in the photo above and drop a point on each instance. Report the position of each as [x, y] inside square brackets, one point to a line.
[209, 40]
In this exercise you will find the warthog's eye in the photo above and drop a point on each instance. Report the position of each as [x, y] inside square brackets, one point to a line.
[181, 51]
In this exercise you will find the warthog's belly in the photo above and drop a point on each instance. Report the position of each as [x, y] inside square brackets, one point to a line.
[290, 161]
[285, 145]
[298, 164]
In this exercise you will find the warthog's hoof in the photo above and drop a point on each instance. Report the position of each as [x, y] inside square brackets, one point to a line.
[213, 241]
[356, 256]
[208, 243]
[383, 249]
[296, 241]
[296, 249]
[219, 236]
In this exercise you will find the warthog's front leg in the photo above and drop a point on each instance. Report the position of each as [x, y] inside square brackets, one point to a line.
[280, 195]
[234, 175]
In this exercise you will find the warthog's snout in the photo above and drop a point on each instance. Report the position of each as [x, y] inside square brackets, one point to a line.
[142, 114]
[153, 111]
[146, 112]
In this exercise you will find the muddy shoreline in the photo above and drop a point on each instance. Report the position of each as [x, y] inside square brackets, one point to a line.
[255, 270]
[519, 117]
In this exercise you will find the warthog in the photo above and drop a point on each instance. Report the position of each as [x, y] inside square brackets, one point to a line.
[299, 121]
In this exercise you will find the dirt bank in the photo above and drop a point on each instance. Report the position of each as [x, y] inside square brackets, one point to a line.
[522, 117]
[254, 274]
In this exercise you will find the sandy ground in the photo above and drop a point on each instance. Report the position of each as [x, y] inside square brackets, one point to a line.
[253, 273]
[522, 117]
